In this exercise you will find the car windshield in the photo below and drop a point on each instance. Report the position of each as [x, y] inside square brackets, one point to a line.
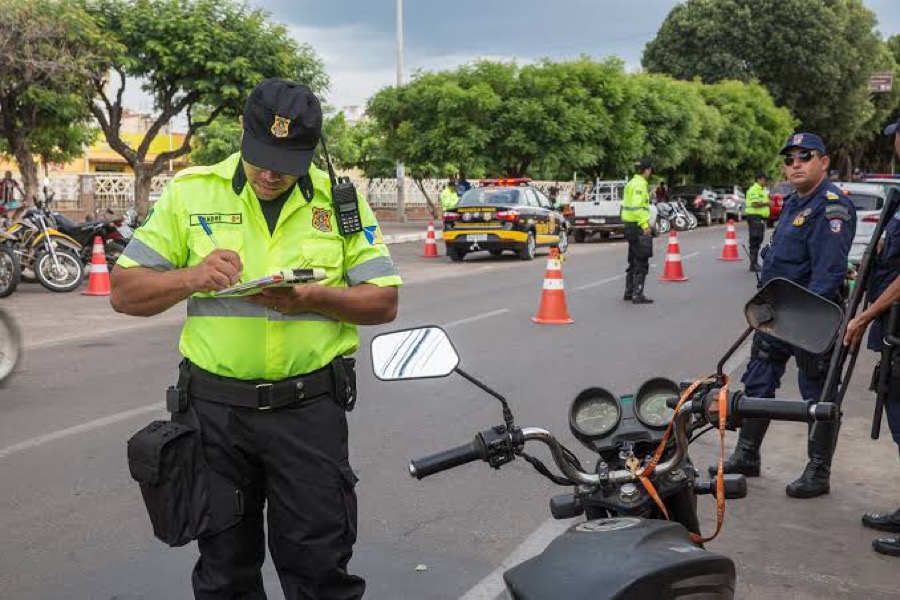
[486, 196]
[865, 202]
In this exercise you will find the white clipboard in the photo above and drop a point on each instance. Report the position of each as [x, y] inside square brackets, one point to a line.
[286, 278]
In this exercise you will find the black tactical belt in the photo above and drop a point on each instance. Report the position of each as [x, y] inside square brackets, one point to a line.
[263, 395]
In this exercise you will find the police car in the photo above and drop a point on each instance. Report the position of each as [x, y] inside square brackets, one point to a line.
[503, 214]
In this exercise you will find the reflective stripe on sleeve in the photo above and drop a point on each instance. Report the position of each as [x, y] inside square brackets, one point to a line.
[380, 266]
[146, 256]
[199, 306]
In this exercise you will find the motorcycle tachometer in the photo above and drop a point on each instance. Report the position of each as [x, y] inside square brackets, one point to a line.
[594, 413]
[650, 402]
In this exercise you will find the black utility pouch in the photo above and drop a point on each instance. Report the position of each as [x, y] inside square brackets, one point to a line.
[644, 246]
[345, 382]
[166, 459]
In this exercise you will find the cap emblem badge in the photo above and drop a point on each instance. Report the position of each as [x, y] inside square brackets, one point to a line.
[280, 127]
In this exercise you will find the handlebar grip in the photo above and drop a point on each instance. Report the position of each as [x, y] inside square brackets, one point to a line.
[441, 461]
[786, 410]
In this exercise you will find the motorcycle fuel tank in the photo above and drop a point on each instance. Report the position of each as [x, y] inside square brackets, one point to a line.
[623, 558]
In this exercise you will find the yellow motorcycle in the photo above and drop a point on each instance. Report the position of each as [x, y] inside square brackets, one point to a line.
[52, 256]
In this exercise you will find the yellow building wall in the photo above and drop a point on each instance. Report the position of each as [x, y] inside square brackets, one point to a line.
[101, 158]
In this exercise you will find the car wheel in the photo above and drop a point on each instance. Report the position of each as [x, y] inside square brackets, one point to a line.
[604, 235]
[528, 250]
[495, 251]
[563, 244]
[579, 236]
[707, 218]
[456, 253]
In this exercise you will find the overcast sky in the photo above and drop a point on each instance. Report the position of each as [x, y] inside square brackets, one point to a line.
[357, 38]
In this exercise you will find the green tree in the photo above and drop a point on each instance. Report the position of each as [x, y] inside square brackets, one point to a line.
[217, 141]
[189, 54]
[814, 56]
[47, 51]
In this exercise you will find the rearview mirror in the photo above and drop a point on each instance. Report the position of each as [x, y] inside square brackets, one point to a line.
[794, 315]
[420, 353]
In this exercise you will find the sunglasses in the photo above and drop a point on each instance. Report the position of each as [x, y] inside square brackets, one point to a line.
[804, 156]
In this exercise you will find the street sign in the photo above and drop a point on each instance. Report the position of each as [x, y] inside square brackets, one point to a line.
[880, 83]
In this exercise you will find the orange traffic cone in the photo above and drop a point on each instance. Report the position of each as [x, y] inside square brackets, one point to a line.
[673, 270]
[553, 309]
[730, 250]
[430, 244]
[98, 282]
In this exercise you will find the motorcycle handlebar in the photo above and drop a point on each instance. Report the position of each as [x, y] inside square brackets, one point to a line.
[446, 459]
[786, 410]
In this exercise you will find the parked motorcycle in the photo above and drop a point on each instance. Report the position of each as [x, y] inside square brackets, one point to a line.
[10, 273]
[640, 539]
[10, 346]
[53, 257]
[676, 213]
[108, 229]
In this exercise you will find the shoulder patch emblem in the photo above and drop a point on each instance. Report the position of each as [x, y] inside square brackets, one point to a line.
[837, 211]
[373, 235]
[836, 225]
[321, 219]
[832, 196]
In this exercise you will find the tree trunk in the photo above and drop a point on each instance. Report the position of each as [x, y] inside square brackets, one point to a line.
[27, 167]
[143, 177]
[431, 207]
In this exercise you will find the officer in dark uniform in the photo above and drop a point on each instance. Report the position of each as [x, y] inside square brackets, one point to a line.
[810, 247]
[884, 290]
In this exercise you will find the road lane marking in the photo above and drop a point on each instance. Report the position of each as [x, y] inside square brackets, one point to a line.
[691, 255]
[486, 315]
[83, 428]
[598, 283]
[122, 416]
[492, 586]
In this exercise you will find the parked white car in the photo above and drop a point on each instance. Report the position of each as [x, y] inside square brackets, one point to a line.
[868, 198]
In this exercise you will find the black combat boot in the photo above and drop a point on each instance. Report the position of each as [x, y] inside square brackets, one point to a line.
[816, 477]
[745, 458]
[883, 521]
[889, 522]
[639, 297]
[629, 287]
[889, 546]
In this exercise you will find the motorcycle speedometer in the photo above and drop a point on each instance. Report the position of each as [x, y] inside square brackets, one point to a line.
[651, 402]
[595, 413]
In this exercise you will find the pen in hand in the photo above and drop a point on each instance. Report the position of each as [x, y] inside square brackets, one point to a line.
[211, 235]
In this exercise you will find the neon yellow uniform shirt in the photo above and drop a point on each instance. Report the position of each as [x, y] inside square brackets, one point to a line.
[230, 336]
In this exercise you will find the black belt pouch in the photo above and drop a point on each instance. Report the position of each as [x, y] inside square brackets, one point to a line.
[166, 459]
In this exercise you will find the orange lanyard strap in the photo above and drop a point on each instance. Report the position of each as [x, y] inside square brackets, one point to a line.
[644, 474]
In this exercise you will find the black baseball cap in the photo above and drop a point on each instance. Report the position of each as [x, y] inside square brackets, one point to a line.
[806, 141]
[644, 164]
[761, 175]
[282, 127]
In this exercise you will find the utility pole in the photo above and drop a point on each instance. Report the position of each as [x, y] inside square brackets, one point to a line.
[401, 180]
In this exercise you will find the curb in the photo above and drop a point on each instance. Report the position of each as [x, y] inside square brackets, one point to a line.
[401, 238]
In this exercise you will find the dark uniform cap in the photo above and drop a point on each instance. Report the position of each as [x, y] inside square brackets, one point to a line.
[282, 127]
[807, 141]
[892, 128]
[644, 164]
[761, 175]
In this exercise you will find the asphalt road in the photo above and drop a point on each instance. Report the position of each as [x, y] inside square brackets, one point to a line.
[74, 525]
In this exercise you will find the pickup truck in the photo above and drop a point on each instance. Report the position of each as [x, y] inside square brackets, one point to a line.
[600, 211]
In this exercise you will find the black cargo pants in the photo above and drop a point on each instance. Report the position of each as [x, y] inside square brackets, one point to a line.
[756, 229]
[640, 250]
[294, 459]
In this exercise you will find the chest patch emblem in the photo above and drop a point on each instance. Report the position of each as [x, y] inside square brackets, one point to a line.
[321, 219]
[799, 221]
[806, 212]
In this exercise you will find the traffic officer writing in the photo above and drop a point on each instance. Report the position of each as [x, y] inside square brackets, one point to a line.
[810, 247]
[266, 379]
